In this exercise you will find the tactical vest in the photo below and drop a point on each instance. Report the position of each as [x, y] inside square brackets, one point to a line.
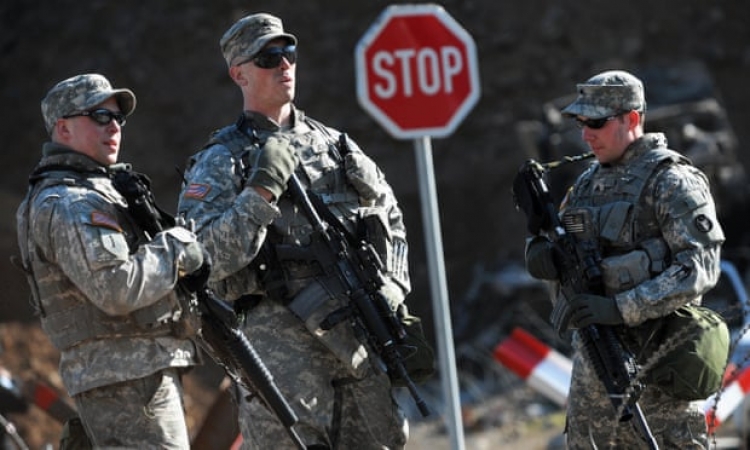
[68, 319]
[633, 251]
[622, 221]
[321, 170]
[318, 156]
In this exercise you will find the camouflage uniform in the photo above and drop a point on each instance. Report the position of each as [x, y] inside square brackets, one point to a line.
[342, 397]
[104, 291]
[653, 203]
[343, 400]
[676, 200]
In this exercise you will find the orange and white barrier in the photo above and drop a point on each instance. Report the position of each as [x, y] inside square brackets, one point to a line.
[549, 372]
[721, 404]
[47, 398]
[542, 367]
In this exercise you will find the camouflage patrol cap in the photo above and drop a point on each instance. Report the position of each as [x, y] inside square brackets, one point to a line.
[607, 94]
[81, 93]
[249, 35]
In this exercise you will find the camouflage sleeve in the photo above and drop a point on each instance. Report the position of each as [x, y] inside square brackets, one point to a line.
[377, 199]
[82, 235]
[687, 218]
[230, 221]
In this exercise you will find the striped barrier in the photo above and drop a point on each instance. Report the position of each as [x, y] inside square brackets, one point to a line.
[50, 401]
[16, 397]
[720, 405]
[542, 367]
[549, 372]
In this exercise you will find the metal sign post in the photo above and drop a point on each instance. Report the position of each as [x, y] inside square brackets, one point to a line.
[439, 289]
[417, 76]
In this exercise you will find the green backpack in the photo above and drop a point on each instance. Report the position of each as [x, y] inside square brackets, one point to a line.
[691, 347]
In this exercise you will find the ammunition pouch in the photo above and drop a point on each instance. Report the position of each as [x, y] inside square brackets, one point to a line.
[623, 272]
[372, 228]
[392, 249]
[290, 275]
[658, 254]
[314, 305]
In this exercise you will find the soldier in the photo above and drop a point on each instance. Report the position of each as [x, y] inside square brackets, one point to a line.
[656, 229]
[104, 289]
[235, 192]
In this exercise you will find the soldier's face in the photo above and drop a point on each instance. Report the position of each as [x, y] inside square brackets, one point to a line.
[270, 87]
[610, 141]
[97, 141]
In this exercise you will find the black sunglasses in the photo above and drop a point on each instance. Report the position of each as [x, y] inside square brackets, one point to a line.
[595, 124]
[101, 116]
[270, 58]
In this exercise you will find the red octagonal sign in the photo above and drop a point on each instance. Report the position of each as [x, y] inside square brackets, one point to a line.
[417, 71]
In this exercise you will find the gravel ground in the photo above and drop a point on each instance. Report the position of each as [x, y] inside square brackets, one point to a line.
[517, 419]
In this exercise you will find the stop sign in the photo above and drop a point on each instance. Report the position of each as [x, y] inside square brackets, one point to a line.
[417, 71]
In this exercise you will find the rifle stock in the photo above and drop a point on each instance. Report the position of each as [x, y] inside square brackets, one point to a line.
[580, 273]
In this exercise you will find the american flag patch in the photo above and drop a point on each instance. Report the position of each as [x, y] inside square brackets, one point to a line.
[197, 191]
[101, 219]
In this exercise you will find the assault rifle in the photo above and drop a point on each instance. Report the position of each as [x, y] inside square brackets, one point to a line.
[578, 266]
[354, 270]
[220, 335]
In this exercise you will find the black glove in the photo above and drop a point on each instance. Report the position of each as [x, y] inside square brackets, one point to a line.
[198, 278]
[541, 259]
[588, 309]
[273, 166]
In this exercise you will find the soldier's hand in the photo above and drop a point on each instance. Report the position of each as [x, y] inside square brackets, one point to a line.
[540, 259]
[273, 166]
[188, 250]
[588, 309]
[197, 279]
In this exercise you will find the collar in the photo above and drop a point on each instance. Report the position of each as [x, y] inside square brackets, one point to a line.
[56, 155]
[261, 123]
[643, 144]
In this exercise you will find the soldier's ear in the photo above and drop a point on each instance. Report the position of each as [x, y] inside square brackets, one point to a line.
[635, 119]
[238, 75]
[61, 130]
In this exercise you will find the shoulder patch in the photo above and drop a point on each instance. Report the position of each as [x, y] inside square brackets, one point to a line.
[105, 220]
[197, 191]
